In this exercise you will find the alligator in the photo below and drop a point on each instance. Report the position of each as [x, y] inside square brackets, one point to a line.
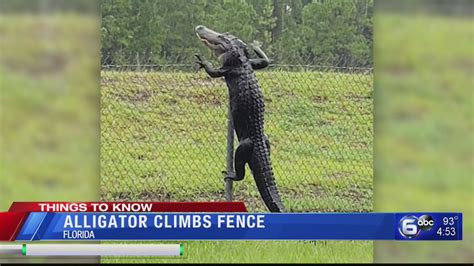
[246, 106]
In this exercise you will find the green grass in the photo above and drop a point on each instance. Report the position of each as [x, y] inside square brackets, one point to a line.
[265, 252]
[164, 135]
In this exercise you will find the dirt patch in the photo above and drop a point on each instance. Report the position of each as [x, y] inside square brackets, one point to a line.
[137, 97]
[358, 197]
[359, 98]
[319, 99]
[107, 81]
[360, 144]
[351, 193]
[141, 96]
[338, 175]
[170, 101]
[211, 99]
[302, 193]
[204, 82]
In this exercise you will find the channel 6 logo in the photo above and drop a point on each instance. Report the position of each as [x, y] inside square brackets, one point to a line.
[410, 226]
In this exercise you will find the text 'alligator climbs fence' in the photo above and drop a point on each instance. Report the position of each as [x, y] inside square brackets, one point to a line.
[164, 130]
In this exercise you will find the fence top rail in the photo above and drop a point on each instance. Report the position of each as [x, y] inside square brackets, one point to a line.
[191, 66]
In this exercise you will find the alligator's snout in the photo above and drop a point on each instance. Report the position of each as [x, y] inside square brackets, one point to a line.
[213, 40]
[199, 28]
[207, 34]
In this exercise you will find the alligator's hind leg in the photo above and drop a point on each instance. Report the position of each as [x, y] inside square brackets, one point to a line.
[242, 156]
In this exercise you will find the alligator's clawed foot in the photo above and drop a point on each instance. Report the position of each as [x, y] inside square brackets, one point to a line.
[255, 44]
[200, 61]
[231, 176]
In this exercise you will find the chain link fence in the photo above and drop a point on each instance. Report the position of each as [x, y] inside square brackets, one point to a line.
[164, 130]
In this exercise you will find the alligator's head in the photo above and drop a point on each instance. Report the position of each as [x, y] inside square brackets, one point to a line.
[229, 49]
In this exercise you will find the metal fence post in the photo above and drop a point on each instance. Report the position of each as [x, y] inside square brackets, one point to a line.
[137, 59]
[230, 156]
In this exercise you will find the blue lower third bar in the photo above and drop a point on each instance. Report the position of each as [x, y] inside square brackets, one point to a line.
[242, 226]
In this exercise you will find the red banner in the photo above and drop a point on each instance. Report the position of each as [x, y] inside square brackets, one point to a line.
[127, 207]
[10, 224]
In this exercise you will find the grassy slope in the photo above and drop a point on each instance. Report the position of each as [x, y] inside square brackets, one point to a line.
[319, 124]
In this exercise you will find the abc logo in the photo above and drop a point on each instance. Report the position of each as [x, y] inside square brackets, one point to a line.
[410, 226]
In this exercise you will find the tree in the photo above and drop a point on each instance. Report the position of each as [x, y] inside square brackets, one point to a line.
[329, 32]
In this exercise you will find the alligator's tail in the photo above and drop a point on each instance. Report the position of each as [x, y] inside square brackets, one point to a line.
[262, 171]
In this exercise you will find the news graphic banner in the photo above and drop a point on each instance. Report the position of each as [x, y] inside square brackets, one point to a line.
[37, 221]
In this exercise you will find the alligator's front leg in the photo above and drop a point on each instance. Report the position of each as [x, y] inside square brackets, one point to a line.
[262, 61]
[213, 72]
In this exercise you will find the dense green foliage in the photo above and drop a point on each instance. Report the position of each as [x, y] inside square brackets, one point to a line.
[336, 32]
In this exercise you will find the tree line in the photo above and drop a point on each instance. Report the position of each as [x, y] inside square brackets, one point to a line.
[321, 32]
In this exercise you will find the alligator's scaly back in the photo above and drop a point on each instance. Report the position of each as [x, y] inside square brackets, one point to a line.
[250, 98]
[247, 109]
